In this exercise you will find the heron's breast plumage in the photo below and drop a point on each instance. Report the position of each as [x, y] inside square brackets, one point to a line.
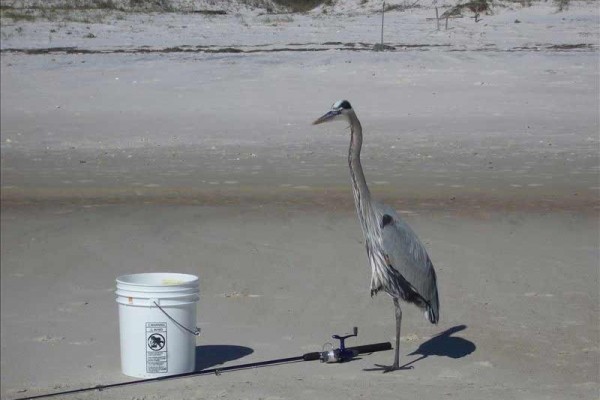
[381, 278]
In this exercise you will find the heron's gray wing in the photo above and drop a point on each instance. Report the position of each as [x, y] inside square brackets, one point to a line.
[407, 255]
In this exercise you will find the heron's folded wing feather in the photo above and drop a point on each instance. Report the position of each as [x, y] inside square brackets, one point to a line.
[408, 256]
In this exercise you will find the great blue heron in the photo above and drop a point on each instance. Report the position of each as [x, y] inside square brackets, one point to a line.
[400, 264]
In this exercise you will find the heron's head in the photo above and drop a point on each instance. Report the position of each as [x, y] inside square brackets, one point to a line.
[339, 111]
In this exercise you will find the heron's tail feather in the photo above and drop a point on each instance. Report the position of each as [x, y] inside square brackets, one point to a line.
[431, 315]
[432, 312]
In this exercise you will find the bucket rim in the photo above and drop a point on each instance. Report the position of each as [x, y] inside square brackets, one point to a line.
[129, 279]
[140, 302]
[155, 295]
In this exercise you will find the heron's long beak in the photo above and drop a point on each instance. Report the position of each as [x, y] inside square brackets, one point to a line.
[327, 117]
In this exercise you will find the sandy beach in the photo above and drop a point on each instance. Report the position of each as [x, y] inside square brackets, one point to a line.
[183, 142]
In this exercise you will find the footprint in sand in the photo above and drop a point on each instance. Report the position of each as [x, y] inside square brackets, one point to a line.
[409, 338]
[85, 342]
[236, 294]
[534, 294]
[450, 374]
[70, 307]
[49, 339]
[486, 364]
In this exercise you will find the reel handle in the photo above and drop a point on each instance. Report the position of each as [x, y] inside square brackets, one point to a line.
[343, 338]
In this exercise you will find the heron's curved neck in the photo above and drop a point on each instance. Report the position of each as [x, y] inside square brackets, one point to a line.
[362, 195]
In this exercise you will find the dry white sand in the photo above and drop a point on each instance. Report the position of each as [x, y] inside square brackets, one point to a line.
[206, 163]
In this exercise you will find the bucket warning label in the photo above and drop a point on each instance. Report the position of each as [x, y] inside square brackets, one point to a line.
[156, 347]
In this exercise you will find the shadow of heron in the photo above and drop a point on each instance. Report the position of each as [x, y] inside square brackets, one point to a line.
[211, 355]
[444, 345]
[441, 345]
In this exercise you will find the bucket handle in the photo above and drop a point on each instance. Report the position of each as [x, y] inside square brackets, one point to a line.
[194, 332]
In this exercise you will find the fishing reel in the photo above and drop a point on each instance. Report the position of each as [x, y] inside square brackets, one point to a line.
[340, 354]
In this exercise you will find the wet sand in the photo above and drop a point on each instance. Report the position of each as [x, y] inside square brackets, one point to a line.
[525, 130]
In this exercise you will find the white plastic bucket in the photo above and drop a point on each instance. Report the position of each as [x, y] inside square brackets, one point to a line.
[157, 323]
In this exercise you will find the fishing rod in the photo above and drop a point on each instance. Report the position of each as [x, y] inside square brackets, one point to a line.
[331, 355]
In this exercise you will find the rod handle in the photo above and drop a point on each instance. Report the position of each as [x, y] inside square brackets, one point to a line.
[372, 348]
[311, 356]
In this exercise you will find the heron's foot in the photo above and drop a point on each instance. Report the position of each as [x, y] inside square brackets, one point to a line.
[389, 368]
[393, 367]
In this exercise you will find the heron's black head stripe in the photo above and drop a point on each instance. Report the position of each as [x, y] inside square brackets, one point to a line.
[346, 105]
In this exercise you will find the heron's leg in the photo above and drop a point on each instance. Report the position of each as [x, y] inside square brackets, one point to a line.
[398, 311]
[396, 365]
